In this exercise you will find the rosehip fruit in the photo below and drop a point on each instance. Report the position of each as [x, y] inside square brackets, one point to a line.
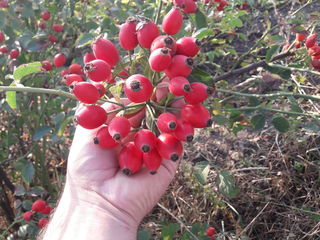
[179, 3]
[222, 5]
[211, 231]
[2, 37]
[71, 78]
[198, 93]
[180, 66]
[91, 116]
[42, 222]
[101, 89]
[4, 49]
[190, 7]
[52, 38]
[85, 92]
[103, 138]
[188, 46]
[14, 53]
[300, 37]
[45, 16]
[169, 147]
[147, 31]
[160, 59]
[152, 160]
[164, 41]
[145, 140]
[105, 50]
[315, 63]
[38, 205]
[42, 25]
[119, 128]
[27, 216]
[311, 41]
[88, 57]
[179, 86]
[127, 35]
[75, 68]
[64, 72]
[57, 27]
[98, 70]
[172, 21]
[130, 159]
[167, 122]
[46, 65]
[184, 131]
[59, 60]
[138, 88]
[315, 50]
[197, 115]
[46, 210]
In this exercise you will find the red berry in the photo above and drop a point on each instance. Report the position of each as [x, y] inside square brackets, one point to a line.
[46, 65]
[14, 53]
[103, 139]
[75, 68]
[98, 70]
[130, 159]
[160, 59]
[59, 60]
[57, 27]
[2, 37]
[180, 66]
[42, 25]
[46, 210]
[222, 5]
[88, 57]
[198, 93]
[85, 92]
[179, 3]
[45, 16]
[27, 216]
[190, 7]
[167, 122]
[91, 116]
[4, 49]
[152, 160]
[211, 231]
[188, 46]
[179, 86]
[315, 50]
[127, 35]
[42, 222]
[52, 38]
[145, 140]
[101, 89]
[300, 37]
[297, 45]
[119, 128]
[38, 205]
[169, 147]
[197, 115]
[311, 40]
[164, 41]
[172, 22]
[184, 131]
[70, 78]
[138, 88]
[147, 31]
[315, 63]
[105, 50]
[64, 72]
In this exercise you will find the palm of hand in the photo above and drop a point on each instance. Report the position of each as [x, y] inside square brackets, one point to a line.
[95, 171]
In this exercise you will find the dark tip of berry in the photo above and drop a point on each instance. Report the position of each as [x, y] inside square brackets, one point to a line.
[127, 171]
[96, 140]
[174, 157]
[153, 172]
[183, 5]
[187, 87]
[145, 148]
[116, 137]
[75, 120]
[71, 87]
[198, 42]
[165, 51]
[189, 138]
[172, 125]
[168, 41]
[209, 123]
[135, 86]
[88, 67]
[190, 62]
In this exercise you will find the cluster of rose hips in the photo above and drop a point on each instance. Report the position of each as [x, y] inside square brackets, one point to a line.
[38, 209]
[46, 15]
[211, 231]
[14, 53]
[174, 104]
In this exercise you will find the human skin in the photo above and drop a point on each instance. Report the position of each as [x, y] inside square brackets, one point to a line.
[99, 201]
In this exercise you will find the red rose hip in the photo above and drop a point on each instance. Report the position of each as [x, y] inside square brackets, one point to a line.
[98, 70]
[145, 140]
[127, 35]
[105, 50]
[172, 22]
[59, 60]
[152, 160]
[147, 31]
[119, 128]
[103, 138]
[138, 88]
[91, 117]
[169, 147]
[160, 59]
[85, 92]
[130, 159]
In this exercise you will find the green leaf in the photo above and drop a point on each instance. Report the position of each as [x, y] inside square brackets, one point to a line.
[25, 70]
[19, 190]
[281, 124]
[11, 97]
[201, 171]
[312, 127]
[201, 20]
[258, 121]
[84, 39]
[271, 52]
[40, 132]
[64, 125]
[202, 33]
[284, 73]
[221, 120]
[169, 231]
[143, 235]
[236, 23]
[226, 185]
[202, 76]
[27, 204]
[27, 170]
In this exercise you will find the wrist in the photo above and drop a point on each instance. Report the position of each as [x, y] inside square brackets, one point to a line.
[87, 215]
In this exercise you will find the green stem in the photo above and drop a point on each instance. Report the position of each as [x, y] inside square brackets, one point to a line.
[4, 233]
[159, 12]
[302, 7]
[270, 95]
[294, 69]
